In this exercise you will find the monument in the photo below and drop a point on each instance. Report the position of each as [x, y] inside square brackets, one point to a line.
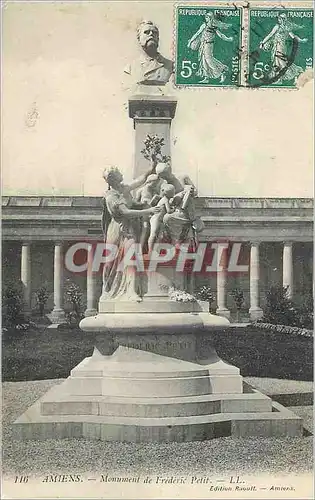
[154, 375]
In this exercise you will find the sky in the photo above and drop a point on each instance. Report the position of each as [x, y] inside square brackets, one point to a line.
[65, 110]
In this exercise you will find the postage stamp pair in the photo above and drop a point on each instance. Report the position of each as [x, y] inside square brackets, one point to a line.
[211, 43]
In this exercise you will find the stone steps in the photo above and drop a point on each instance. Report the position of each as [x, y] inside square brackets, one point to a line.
[278, 423]
[139, 396]
[54, 403]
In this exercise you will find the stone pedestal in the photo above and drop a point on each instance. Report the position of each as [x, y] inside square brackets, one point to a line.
[135, 395]
[154, 377]
[152, 115]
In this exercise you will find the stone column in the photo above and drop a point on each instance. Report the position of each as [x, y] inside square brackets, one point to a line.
[191, 283]
[255, 311]
[222, 310]
[90, 285]
[152, 115]
[287, 266]
[26, 274]
[58, 314]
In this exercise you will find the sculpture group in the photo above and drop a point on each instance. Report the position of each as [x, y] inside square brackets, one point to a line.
[162, 210]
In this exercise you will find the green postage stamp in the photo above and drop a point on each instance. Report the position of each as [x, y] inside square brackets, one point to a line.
[280, 46]
[208, 46]
[278, 43]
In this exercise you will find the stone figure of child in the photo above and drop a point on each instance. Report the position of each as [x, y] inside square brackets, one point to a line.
[156, 221]
[148, 193]
[148, 196]
[180, 221]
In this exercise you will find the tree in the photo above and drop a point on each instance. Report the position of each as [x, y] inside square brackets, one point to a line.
[152, 150]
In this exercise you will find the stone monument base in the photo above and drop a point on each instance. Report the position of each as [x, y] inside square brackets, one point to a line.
[163, 384]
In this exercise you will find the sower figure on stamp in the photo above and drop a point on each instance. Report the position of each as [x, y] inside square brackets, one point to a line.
[277, 43]
[203, 41]
[122, 225]
[151, 68]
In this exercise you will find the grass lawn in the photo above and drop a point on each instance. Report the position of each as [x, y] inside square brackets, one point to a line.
[41, 354]
[261, 353]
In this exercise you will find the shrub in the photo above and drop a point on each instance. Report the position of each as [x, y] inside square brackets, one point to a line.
[305, 312]
[12, 313]
[238, 297]
[73, 296]
[279, 308]
[205, 293]
[41, 296]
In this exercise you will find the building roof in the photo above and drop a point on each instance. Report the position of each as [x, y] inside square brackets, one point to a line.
[203, 201]
[236, 219]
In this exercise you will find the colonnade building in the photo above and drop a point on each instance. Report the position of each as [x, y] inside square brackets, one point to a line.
[275, 237]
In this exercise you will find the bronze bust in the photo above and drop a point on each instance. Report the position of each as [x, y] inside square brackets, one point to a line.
[151, 68]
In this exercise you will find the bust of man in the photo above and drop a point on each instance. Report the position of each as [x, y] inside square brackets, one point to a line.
[151, 68]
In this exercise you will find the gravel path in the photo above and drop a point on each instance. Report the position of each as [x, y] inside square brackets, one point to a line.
[223, 455]
[280, 386]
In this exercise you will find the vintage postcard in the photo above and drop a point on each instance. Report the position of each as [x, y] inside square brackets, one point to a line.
[157, 249]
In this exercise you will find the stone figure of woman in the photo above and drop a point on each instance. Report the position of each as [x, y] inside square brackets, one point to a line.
[204, 41]
[122, 225]
[277, 43]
